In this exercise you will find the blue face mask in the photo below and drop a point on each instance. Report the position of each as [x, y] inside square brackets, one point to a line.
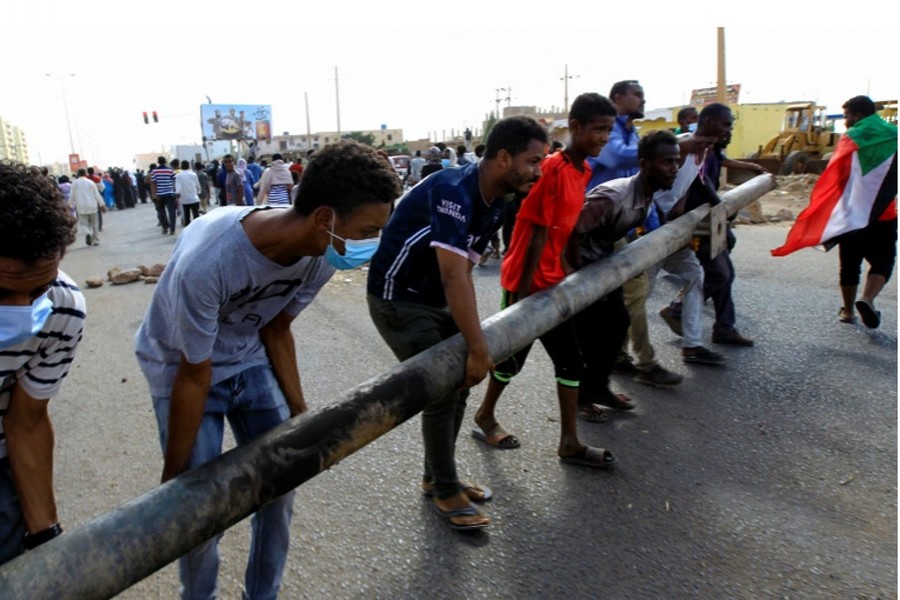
[445, 162]
[692, 127]
[19, 323]
[356, 252]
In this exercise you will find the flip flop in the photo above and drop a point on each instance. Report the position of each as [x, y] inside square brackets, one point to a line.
[615, 401]
[473, 491]
[496, 437]
[467, 511]
[593, 413]
[595, 458]
[871, 318]
[844, 319]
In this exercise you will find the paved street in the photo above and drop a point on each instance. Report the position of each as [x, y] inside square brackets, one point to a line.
[773, 477]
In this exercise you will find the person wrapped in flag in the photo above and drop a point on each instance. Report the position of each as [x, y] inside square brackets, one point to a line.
[854, 206]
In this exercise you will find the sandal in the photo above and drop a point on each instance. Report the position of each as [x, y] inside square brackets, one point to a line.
[496, 437]
[593, 413]
[595, 458]
[615, 401]
[846, 316]
[466, 511]
[871, 318]
[473, 491]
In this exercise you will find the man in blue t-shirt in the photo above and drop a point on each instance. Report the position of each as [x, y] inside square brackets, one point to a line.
[420, 289]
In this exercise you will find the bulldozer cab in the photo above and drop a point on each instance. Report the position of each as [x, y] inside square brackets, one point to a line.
[807, 135]
[887, 109]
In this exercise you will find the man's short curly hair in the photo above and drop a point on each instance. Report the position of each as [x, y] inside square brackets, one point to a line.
[344, 176]
[35, 222]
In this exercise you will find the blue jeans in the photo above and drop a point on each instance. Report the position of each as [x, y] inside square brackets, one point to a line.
[12, 524]
[253, 404]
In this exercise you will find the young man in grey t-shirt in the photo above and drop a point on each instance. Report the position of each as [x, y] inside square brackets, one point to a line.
[216, 340]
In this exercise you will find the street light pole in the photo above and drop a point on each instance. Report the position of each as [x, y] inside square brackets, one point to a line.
[337, 101]
[566, 77]
[508, 91]
[66, 108]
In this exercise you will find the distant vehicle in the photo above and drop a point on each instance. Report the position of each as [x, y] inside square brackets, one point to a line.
[400, 162]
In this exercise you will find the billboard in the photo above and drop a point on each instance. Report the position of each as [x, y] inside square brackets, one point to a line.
[703, 96]
[236, 121]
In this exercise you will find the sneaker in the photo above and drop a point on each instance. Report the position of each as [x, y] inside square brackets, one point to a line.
[624, 367]
[732, 338]
[670, 319]
[702, 356]
[658, 377]
[88, 240]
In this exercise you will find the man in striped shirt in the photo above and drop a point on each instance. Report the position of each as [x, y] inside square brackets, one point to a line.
[41, 318]
[162, 187]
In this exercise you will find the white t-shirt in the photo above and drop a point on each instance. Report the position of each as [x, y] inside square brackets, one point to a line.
[41, 363]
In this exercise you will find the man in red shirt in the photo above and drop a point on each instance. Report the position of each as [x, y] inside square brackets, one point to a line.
[297, 166]
[536, 260]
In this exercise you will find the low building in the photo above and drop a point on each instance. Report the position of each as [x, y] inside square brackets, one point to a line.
[13, 145]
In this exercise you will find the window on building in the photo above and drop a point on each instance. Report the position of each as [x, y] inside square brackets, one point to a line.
[282, 145]
[390, 137]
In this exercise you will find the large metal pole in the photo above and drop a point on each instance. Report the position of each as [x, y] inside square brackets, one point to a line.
[118, 549]
[721, 95]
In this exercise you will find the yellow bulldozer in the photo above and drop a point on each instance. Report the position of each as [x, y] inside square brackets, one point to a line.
[888, 110]
[804, 144]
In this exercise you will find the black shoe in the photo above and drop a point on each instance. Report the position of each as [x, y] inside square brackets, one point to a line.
[732, 338]
[88, 240]
[659, 377]
[670, 319]
[624, 367]
[702, 356]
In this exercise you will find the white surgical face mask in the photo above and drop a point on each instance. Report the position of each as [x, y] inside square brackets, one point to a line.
[692, 127]
[19, 323]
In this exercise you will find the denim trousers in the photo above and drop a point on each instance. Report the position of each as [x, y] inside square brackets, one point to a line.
[253, 403]
[409, 328]
[166, 211]
[12, 524]
[685, 265]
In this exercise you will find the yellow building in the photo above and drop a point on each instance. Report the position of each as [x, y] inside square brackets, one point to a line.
[754, 125]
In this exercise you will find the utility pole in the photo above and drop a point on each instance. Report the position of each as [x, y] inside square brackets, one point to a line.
[62, 86]
[308, 134]
[337, 101]
[566, 77]
[720, 83]
[508, 91]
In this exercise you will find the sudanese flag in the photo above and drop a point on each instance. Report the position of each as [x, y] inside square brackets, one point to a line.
[857, 188]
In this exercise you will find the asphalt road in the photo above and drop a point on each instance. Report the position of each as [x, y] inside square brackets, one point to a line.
[773, 477]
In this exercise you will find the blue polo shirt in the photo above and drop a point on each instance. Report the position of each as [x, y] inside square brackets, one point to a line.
[619, 158]
[446, 211]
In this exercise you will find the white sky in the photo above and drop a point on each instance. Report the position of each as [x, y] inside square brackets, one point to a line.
[418, 66]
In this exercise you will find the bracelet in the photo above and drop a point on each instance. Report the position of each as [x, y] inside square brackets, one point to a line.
[33, 540]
